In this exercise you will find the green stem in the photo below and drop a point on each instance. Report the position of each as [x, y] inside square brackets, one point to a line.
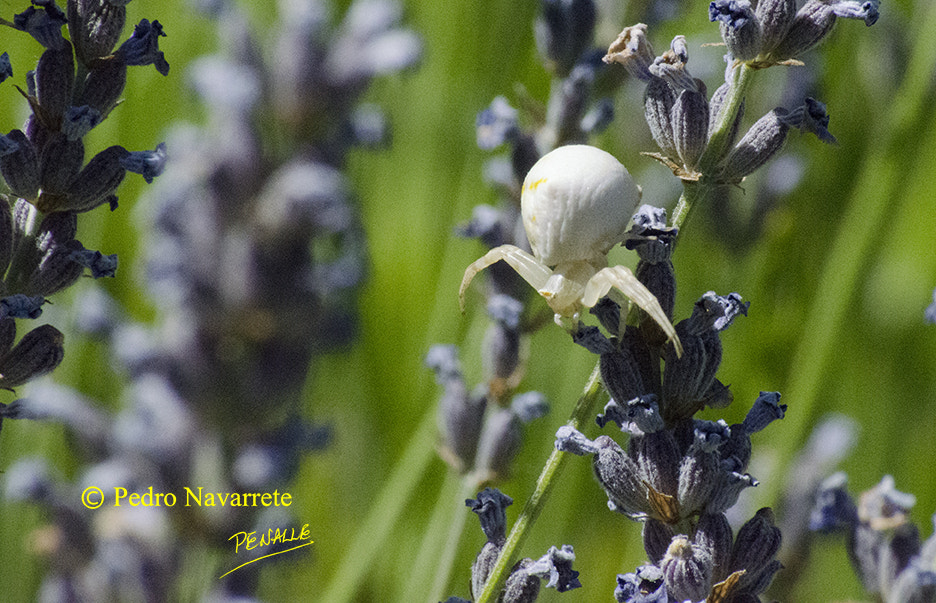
[720, 138]
[534, 506]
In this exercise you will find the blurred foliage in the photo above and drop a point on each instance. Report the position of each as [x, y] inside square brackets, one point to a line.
[838, 271]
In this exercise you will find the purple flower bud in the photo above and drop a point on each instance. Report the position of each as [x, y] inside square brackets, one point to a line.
[713, 535]
[756, 544]
[491, 508]
[521, 586]
[564, 32]
[44, 23]
[687, 570]
[104, 84]
[143, 47]
[776, 17]
[37, 353]
[812, 22]
[761, 142]
[95, 26]
[556, 567]
[632, 50]
[148, 164]
[19, 305]
[59, 164]
[740, 28]
[6, 69]
[646, 585]
[100, 265]
[765, 410]
[55, 78]
[659, 99]
[97, 181]
[20, 165]
[656, 537]
[78, 121]
[690, 125]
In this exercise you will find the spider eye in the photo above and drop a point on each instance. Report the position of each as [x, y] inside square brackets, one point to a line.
[576, 203]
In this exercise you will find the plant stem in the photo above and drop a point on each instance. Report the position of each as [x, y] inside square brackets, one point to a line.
[534, 506]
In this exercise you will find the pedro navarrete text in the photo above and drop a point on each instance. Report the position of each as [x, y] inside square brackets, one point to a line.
[201, 498]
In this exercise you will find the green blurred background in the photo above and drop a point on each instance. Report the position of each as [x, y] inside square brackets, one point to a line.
[838, 273]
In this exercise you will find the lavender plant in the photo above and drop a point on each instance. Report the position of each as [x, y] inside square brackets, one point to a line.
[76, 83]
[678, 474]
[256, 254]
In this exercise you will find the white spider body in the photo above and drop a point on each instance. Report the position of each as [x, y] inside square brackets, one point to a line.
[576, 204]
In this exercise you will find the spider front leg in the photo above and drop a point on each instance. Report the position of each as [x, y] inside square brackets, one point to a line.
[622, 279]
[527, 266]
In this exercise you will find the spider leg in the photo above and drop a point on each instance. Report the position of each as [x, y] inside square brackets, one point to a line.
[528, 267]
[622, 279]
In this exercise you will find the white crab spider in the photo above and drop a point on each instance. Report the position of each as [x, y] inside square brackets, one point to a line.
[576, 204]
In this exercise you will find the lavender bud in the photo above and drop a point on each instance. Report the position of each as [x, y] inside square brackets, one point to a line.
[496, 125]
[598, 118]
[461, 415]
[699, 468]
[6, 69]
[58, 270]
[100, 265]
[521, 586]
[608, 314]
[811, 116]
[6, 233]
[20, 167]
[728, 487]
[740, 28]
[687, 570]
[556, 567]
[866, 10]
[104, 84]
[94, 27]
[810, 25]
[638, 417]
[658, 459]
[20, 305]
[646, 585]
[55, 78]
[632, 50]
[569, 439]
[687, 378]
[483, 565]
[97, 181]
[755, 546]
[765, 410]
[620, 478]
[776, 17]
[713, 534]
[7, 334]
[502, 339]
[671, 66]
[930, 312]
[148, 164]
[501, 435]
[656, 537]
[659, 99]
[78, 121]
[491, 508]
[44, 24]
[37, 353]
[690, 125]
[756, 147]
[620, 375]
[143, 47]
[59, 164]
[564, 32]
